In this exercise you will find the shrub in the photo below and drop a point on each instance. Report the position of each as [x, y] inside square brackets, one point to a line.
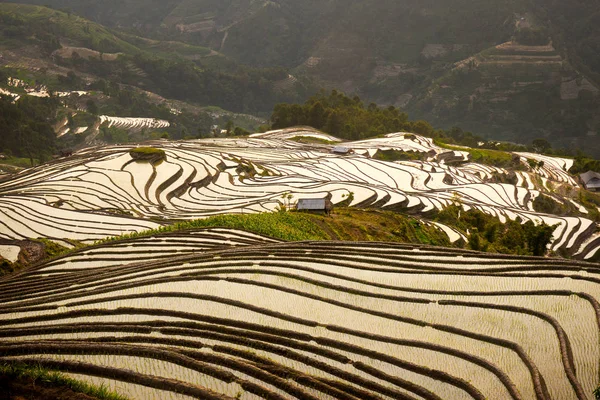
[546, 204]
[489, 234]
[150, 154]
[398, 155]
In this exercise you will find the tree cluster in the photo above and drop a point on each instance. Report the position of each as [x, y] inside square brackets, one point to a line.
[583, 164]
[488, 234]
[349, 118]
[242, 89]
[532, 36]
[26, 127]
[344, 117]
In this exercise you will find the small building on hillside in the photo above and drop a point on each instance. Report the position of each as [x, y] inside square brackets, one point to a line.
[342, 150]
[315, 205]
[591, 181]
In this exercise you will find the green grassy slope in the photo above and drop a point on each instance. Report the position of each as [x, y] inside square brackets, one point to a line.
[21, 20]
[37, 36]
[345, 224]
[20, 380]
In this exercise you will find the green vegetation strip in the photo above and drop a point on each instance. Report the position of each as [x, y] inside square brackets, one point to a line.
[285, 226]
[347, 224]
[150, 154]
[39, 374]
[494, 158]
[310, 139]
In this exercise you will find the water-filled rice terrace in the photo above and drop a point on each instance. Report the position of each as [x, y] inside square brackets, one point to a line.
[133, 123]
[103, 191]
[222, 314]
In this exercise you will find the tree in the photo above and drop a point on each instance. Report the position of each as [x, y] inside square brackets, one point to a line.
[541, 145]
[229, 126]
[422, 127]
[334, 123]
[26, 126]
[91, 107]
[70, 122]
[240, 131]
[316, 115]
[287, 202]
[538, 237]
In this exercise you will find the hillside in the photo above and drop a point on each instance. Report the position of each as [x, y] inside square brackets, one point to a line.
[54, 44]
[105, 191]
[448, 62]
[224, 314]
[152, 245]
[516, 93]
[233, 26]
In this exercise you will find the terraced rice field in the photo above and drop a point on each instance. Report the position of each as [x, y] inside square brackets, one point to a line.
[554, 168]
[103, 192]
[220, 314]
[133, 123]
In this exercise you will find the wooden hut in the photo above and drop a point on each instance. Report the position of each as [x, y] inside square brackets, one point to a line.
[315, 205]
[591, 181]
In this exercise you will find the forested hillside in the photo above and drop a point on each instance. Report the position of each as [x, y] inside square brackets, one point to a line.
[26, 127]
[513, 70]
[55, 42]
[574, 24]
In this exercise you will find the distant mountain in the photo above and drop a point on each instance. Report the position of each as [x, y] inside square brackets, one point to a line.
[403, 52]
[54, 42]
[288, 33]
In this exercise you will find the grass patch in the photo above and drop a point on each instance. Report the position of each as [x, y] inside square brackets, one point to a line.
[150, 154]
[164, 48]
[346, 224]
[54, 249]
[144, 151]
[399, 155]
[19, 162]
[546, 204]
[494, 158]
[311, 140]
[383, 226]
[280, 225]
[40, 375]
[591, 201]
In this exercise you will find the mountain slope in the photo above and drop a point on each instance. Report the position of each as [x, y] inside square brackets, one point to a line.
[40, 39]
[224, 314]
[403, 52]
[114, 192]
[516, 93]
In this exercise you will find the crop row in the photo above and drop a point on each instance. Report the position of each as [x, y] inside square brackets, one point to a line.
[311, 320]
[133, 123]
[250, 175]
